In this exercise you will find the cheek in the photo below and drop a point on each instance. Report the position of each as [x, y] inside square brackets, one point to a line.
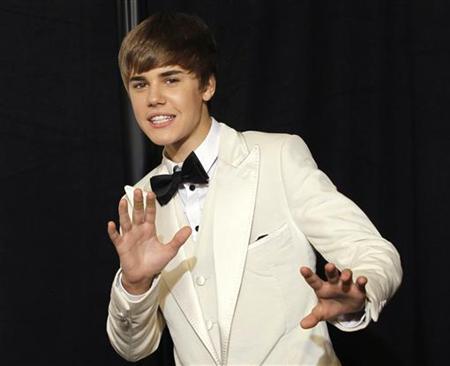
[188, 103]
[139, 108]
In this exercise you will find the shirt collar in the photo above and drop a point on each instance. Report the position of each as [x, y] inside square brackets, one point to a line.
[207, 152]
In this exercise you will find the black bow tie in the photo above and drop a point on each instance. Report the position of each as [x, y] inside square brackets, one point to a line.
[166, 185]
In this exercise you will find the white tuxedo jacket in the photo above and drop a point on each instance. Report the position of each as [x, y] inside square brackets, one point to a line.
[235, 299]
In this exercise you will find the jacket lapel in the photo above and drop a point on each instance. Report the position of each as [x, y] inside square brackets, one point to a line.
[234, 193]
[176, 274]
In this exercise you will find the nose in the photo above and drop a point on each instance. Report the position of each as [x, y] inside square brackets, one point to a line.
[155, 96]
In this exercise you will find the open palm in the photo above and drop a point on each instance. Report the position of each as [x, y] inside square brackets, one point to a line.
[142, 256]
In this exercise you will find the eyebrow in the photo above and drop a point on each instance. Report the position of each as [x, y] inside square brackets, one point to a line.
[161, 75]
[137, 78]
[170, 73]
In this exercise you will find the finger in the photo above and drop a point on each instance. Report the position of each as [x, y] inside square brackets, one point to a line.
[124, 218]
[332, 273]
[361, 283]
[309, 321]
[150, 211]
[179, 239]
[346, 279]
[311, 278]
[138, 206]
[113, 233]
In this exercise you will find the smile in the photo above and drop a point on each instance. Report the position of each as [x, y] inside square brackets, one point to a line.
[161, 120]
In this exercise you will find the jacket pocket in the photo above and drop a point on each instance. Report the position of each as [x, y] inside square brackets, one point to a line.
[267, 238]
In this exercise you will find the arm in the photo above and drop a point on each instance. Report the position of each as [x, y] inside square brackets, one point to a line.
[341, 232]
[135, 326]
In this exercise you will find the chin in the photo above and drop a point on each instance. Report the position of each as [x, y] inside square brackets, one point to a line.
[161, 140]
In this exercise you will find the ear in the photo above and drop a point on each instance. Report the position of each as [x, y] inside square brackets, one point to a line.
[210, 89]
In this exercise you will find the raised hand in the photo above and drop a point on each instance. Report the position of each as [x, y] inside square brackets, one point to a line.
[339, 295]
[142, 256]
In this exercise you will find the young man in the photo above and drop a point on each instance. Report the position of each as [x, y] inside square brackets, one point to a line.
[216, 256]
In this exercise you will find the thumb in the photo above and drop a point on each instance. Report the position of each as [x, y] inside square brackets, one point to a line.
[309, 321]
[313, 318]
[179, 238]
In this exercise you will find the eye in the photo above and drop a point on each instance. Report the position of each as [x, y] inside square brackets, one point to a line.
[170, 81]
[138, 84]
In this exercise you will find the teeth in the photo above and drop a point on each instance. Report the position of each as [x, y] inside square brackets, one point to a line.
[161, 118]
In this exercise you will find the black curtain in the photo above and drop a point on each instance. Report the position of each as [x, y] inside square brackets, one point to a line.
[365, 83]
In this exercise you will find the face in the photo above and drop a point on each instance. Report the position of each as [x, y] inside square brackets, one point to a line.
[170, 108]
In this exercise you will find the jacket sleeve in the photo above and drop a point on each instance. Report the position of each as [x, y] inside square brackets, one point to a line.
[337, 228]
[134, 327]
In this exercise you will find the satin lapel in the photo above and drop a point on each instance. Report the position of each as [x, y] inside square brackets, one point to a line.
[177, 275]
[234, 190]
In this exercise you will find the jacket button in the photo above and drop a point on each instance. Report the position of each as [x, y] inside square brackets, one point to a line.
[200, 280]
[209, 324]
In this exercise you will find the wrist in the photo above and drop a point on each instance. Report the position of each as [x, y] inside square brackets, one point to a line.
[136, 288]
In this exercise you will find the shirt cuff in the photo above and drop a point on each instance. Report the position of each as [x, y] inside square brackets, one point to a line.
[350, 321]
[135, 298]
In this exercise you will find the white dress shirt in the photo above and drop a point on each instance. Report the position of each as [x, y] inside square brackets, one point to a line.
[193, 195]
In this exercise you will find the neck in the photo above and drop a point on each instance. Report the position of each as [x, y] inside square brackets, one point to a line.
[179, 151]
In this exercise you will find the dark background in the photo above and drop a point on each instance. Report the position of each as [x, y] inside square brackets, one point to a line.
[364, 82]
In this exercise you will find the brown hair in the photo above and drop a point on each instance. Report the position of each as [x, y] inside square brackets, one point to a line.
[169, 39]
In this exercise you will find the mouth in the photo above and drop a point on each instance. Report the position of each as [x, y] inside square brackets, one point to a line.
[161, 120]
